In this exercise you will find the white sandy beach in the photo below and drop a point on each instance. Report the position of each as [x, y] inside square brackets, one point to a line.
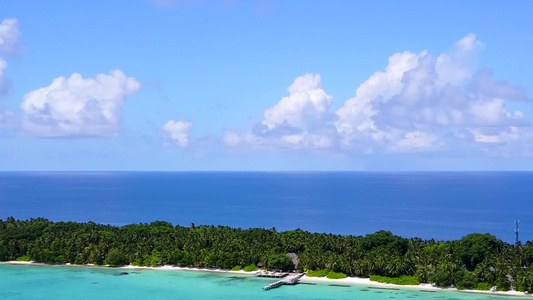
[348, 281]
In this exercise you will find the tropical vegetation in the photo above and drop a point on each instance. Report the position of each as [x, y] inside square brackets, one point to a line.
[236, 268]
[318, 273]
[250, 268]
[336, 275]
[475, 261]
[402, 280]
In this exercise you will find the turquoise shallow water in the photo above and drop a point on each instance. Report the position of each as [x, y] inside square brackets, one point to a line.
[58, 283]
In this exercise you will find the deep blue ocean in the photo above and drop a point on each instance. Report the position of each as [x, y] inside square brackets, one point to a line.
[440, 205]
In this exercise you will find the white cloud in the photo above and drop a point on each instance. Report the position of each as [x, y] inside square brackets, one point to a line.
[307, 141]
[415, 141]
[458, 65]
[4, 82]
[356, 114]
[178, 132]
[420, 106]
[306, 107]
[483, 84]
[9, 36]
[420, 103]
[231, 138]
[234, 138]
[78, 106]
[298, 121]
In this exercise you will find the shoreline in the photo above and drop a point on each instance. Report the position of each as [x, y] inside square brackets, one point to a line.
[349, 281]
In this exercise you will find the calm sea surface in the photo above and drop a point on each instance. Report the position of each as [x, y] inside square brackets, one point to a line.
[59, 283]
[441, 205]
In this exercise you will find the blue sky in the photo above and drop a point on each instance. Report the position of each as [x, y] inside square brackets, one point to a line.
[266, 85]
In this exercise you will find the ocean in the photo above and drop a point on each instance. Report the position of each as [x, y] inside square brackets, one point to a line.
[440, 205]
[61, 283]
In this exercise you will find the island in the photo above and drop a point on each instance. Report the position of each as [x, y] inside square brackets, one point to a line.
[478, 261]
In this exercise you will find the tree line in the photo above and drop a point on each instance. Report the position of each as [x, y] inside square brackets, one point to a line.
[475, 261]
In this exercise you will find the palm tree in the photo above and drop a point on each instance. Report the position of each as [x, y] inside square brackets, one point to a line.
[484, 272]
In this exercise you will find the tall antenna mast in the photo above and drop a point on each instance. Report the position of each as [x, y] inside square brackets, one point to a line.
[516, 240]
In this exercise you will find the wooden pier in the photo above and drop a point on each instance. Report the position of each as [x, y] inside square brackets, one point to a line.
[289, 280]
[271, 274]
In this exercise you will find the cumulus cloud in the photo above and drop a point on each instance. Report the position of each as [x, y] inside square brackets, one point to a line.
[307, 105]
[356, 114]
[457, 66]
[419, 103]
[9, 36]
[299, 121]
[423, 105]
[178, 132]
[78, 106]
[483, 84]
[4, 82]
